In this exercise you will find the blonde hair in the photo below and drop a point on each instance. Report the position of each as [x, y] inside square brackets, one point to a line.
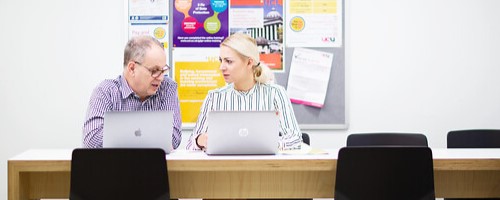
[246, 46]
[266, 76]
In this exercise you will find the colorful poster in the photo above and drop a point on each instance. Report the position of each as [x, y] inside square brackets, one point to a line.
[306, 24]
[199, 23]
[263, 20]
[196, 72]
[148, 17]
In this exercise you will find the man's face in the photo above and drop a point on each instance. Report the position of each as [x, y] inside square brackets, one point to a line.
[143, 83]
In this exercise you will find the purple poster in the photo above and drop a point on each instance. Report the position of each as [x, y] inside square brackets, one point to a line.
[199, 23]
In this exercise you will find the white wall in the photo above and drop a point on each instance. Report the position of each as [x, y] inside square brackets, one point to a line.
[416, 66]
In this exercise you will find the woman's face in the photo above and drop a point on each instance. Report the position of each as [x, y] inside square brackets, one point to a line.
[234, 67]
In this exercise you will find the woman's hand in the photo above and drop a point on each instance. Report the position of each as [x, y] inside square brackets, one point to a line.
[201, 140]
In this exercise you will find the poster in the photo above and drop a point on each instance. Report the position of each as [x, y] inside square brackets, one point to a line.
[199, 23]
[149, 18]
[146, 17]
[196, 72]
[262, 20]
[306, 24]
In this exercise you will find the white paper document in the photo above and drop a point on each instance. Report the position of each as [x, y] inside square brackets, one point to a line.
[309, 76]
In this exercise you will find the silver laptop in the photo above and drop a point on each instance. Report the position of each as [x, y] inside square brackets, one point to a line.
[138, 129]
[242, 132]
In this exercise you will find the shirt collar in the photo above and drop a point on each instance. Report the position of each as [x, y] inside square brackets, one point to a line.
[249, 92]
[126, 90]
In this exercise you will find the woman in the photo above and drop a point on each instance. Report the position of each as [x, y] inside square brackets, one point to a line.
[242, 70]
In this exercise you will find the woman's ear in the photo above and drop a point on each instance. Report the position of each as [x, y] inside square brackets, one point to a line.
[250, 62]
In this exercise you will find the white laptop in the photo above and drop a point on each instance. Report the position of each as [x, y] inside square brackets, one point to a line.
[138, 129]
[242, 132]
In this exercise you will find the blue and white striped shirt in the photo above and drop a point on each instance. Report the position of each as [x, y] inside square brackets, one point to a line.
[116, 95]
[260, 97]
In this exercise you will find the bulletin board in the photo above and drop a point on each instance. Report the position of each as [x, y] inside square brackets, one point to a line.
[326, 21]
[302, 22]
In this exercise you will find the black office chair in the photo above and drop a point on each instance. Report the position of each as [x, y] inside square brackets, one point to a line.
[384, 173]
[305, 138]
[387, 139]
[110, 174]
[473, 138]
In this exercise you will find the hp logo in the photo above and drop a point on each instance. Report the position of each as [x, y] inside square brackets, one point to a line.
[243, 132]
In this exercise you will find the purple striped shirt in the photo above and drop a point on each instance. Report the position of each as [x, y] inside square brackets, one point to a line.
[116, 95]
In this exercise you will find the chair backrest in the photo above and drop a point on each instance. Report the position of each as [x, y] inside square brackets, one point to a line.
[108, 173]
[474, 138]
[387, 139]
[384, 173]
[305, 138]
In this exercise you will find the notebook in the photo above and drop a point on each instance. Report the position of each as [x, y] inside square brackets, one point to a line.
[138, 129]
[242, 132]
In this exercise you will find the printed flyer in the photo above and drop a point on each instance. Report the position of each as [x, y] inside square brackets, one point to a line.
[146, 17]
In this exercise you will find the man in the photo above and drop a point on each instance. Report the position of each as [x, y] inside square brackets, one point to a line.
[143, 86]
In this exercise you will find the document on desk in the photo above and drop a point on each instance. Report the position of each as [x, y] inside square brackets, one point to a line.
[304, 150]
[309, 76]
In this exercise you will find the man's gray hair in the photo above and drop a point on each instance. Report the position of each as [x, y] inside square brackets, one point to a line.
[137, 47]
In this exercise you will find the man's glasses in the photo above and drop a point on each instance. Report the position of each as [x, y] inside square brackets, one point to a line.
[155, 73]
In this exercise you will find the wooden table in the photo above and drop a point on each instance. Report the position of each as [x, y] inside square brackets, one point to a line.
[36, 174]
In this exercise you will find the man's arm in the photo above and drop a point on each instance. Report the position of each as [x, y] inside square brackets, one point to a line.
[175, 106]
[94, 121]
